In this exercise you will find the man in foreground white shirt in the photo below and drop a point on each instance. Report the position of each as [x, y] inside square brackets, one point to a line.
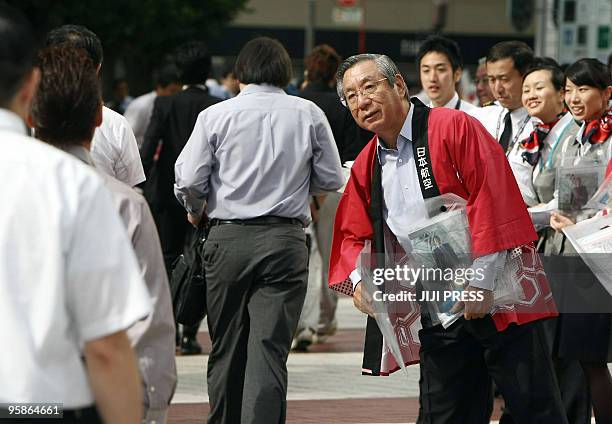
[69, 280]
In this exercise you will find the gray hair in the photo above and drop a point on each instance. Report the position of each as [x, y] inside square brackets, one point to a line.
[385, 66]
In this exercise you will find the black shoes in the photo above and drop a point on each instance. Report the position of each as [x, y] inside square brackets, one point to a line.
[190, 346]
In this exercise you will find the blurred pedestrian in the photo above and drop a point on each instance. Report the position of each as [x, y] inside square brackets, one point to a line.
[139, 112]
[249, 166]
[121, 96]
[171, 124]
[230, 82]
[69, 280]
[318, 319]
[483, 89]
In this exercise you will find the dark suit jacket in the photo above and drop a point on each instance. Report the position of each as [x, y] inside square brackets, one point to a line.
[171, 123]
[349, 137]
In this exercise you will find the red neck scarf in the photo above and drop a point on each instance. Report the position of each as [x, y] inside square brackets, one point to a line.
[533, 144]
[598, 130]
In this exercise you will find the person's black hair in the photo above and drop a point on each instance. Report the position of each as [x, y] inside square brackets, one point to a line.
[520, 53]
[264, 60]
[166, 74]
[589, 72]
[443, 45]
[193, 61]
[322, 64]
[68, 97]
[17, 52]
[77, 36]
[548, 64]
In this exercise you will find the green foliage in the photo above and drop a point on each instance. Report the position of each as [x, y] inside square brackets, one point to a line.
[143, 29]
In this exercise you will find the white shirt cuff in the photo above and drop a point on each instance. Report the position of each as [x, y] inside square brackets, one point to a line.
[489, 267]
[355, 278]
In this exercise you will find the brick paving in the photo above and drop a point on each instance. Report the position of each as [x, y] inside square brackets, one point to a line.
[354, 411]
[325, 384]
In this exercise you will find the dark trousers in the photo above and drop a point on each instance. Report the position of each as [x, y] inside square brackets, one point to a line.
[457, 365]
[573, 384]
[256, 283]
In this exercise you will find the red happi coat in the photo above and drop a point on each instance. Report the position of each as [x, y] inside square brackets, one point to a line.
[466, 161]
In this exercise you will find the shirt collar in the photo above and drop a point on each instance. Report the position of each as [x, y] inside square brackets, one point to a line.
[10, 121]
[81, 153]
[405, 134]
[519, 114]
[260, 88]
[451, 103]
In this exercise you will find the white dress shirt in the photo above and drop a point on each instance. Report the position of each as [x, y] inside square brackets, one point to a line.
[138, 114]
[492, 117]
[258, 154]
[464, 105]
[404, 206]
[114, 149]
[68, 273]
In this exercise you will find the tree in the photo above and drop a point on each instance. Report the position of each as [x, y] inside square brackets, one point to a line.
[136, 32]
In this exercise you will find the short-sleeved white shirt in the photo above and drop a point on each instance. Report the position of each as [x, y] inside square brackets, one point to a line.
[68, 274]
[114, 149]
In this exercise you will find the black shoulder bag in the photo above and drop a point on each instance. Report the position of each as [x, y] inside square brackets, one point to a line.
[188, 282]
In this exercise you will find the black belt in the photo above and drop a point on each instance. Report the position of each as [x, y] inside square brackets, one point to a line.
[262, 220]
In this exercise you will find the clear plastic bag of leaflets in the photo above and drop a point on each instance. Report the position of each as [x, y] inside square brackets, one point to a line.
[602, 199]
[592, 239]
[441, 249]
[441, 246]
[429, 264]
[578, 180]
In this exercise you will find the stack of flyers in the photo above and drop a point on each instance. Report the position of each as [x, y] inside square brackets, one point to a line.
[592, 239]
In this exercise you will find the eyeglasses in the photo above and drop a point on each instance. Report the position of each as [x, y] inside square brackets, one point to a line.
[367, 90]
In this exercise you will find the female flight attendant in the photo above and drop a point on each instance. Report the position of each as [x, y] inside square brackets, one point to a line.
[584, 335]
[543, 97]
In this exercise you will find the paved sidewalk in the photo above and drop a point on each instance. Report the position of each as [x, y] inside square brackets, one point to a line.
[325, 384]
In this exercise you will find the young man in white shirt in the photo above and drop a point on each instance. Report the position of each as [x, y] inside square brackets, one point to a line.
[114, 148]
[69, 280]
[440, 66]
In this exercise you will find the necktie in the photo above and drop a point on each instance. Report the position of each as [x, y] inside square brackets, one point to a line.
[504, 140]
